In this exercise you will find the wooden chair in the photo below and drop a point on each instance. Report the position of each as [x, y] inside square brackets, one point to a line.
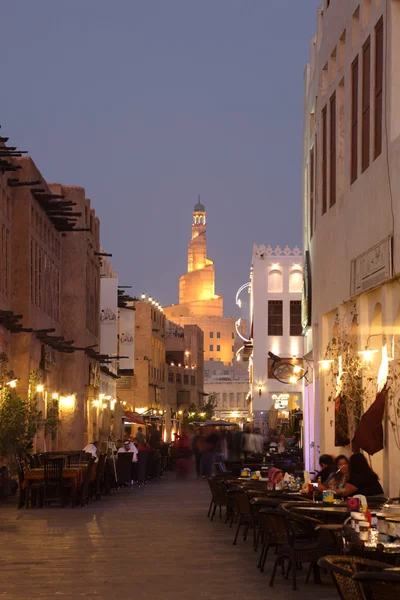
[141, 467]
[124, 468]
[96, 486]
[84, 491]
[53, 481]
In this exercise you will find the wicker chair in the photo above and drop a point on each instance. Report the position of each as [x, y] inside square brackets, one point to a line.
[219, 497]
[245, 516]
[298, 542]
[379, 586]
[342, 569]
[265, 533]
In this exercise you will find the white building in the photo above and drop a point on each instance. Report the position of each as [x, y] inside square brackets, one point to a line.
[230, 384]
[276, 292]
[352, 207]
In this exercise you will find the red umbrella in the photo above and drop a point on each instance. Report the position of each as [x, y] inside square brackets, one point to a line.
[369, 433]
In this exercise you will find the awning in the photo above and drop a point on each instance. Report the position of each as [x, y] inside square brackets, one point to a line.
[133, 417]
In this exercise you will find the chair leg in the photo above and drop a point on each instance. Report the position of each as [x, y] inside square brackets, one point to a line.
[308, 573]
[286, 575]
[232, 517]
[255, 538]
[220, 511]
[265, 555]
[271, 583]
[257, 541]
[246, 529]
[316, 573]
[237, 532]
[209, 510]
[294, 582]
[213, 512]
[227, 515]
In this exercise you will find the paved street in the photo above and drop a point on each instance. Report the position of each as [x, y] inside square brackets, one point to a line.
[152, 543]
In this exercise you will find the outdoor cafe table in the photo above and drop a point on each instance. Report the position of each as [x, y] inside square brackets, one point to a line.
[73, 474]
[334, 513]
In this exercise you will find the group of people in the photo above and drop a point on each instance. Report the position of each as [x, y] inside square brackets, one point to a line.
[131, 444]
[348, 476]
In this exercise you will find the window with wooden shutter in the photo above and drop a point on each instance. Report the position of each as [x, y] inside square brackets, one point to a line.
[354, 121]
[296, 328]
[378, 87]
[366, 104]
[324, 160]
[312, 191]
[275, 317]
[332, 156]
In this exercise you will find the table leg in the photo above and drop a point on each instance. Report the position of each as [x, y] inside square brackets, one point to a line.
[27, 493]
[73, 495]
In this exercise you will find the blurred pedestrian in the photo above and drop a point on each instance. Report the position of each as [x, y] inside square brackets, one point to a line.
[184, 453]
[198, 447]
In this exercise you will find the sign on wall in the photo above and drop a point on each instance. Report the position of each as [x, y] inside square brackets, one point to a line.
[371, 268]
[108, 316]
[126, 338]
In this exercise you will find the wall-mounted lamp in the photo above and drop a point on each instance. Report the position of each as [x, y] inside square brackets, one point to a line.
[67, 401]
[12, 383]
[326, 363]
[260, 387]
[40, 388]
[368, 353]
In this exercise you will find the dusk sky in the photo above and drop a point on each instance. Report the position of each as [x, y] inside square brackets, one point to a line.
[149, 103]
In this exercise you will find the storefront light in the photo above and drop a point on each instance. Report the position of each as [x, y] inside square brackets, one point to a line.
[96, 403]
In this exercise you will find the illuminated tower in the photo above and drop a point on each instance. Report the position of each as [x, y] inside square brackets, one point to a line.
[197, 286]
[198, 302]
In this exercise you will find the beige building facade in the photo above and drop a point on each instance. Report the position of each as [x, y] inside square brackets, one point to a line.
[352, 213]
[185, 367]
[49, 290]
[146, 388]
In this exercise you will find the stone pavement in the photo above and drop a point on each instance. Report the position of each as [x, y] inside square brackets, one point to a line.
[150, 543]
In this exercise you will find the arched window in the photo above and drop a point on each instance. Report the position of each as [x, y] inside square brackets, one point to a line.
[296, 280]
[275, 281]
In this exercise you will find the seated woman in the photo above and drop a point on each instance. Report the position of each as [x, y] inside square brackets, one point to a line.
[275, 476]
[339, 476]
[327, 464]
[362, 478]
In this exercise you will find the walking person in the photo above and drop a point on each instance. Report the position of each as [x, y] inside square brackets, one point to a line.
[198, 447]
